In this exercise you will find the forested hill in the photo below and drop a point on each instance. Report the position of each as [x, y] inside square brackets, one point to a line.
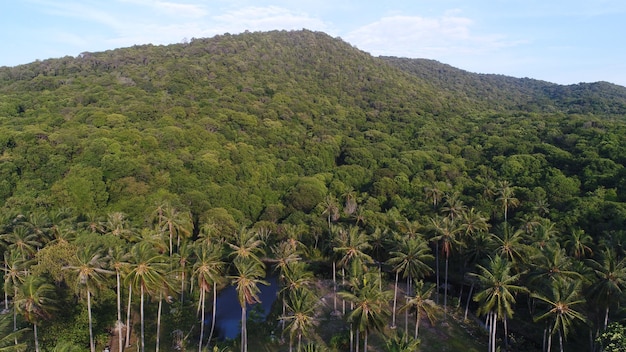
[503, 92]
[265, 125]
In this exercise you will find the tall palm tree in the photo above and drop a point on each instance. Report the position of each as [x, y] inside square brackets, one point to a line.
[8, 340]
[421, 302]
[90, 274]
[409, 259]
[118, 225]
[497, 295]
[15, 271]
[147, 271]
[510, 244]
[246, 282]
[370, 306]
[446, 231]
[610, 282]
[181, 258]
[174, 222]
[561, 303]
[353, 247]
[36, 301]
[246, 245]
[579, 244]
[300, 320]
[284, 254]
[506, 196]
[453, 206]
[207, 271]
[118, 258]
[22, 240]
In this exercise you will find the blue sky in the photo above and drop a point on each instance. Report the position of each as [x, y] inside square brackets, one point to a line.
[561, 41]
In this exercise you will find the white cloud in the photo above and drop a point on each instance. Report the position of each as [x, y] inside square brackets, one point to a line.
[172, 9]
[415, 36]
[267, 18]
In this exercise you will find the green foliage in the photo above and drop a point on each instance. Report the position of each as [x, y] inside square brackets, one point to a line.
[613, 339]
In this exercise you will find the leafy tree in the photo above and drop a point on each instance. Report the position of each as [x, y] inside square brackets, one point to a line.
[609, 282]
[302, 305]
[613, 339]
[421, 302]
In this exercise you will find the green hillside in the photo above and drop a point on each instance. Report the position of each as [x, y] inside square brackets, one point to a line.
[298, 136]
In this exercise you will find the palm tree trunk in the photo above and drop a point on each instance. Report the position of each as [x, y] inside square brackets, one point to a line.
[299, 342]
[36, 338]
[202, 300]
[130, 296]
[14, 313]
[158, 333]
[351, 337]
[469, 297]
[91, 343]
[358, 341]
[561, 341]
[417, 323]
[244, 338]
[549, 341]
[506, 334]
[437, 269]
[119, 312]
[406, 318]
[445, 291]
[395, 299]
[141, 316]
[606, 317]
[214, 312]
[334, 287]
[495, 326]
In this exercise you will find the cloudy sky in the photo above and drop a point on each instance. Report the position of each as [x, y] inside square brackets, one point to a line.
[561, 41]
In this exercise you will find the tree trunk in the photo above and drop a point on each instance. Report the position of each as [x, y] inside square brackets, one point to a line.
[141, 316]
[119, 312]
[92, 347]
[158, 333]
[395, 300]
[214, 312]
[406, 318]
[445, 292]
[469, 298]
[561, 341]
[358, 341]
[36, 338]
[365, 342]
[494, 317]
[244, 332]
[549, 341]
[606, 317]
[437, 269]
[202, 300]
[130, 296]
[417, 323]
[334, 287]
[14, 313]
[506, 334]
[351, 337]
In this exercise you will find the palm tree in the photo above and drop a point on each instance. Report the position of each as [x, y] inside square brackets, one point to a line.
[506, 196]
[300, 320]
[497, 295]
[174, 222]
[330, 208]
[118, 225]
[36, 301]
[207, 272]
[15, 270]
[453, 207]
[401, 343]
[561, 312]
[90, 273]
[353, 247]
[421, 302]
[22, 240]
[246, 245]
[284, 254]
[146, 273]
[446, 230]
[579, 244]
[552, 264]
[8, 340]
[118, 261]
[610, 280]
[182, 258]
[246, 282]
[370, 305]
[409, 259]
[510, 244]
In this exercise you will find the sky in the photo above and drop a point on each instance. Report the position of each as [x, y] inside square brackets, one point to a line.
[560, 41]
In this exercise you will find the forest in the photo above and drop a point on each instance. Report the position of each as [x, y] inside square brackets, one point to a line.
[401, 204]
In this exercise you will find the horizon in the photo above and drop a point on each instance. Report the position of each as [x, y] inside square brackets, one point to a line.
[563, 42]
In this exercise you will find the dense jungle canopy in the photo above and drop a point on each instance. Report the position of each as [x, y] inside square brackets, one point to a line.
[277, 130]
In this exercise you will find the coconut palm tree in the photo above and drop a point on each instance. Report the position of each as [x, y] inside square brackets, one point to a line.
[300, 320]
[246, 281]
[15, 271]
[118, 258]
[370, 306]
[610, 282]
[8, 340]
[174, 222]
[409, 259]
[36, 301]
[561, 308]
[246, 245]
[510, 244]
[22, 240]
[446, 231]
[207, 271]
[147, 271]
[497, 295]
[421, 302]
[506, 196]
[90, 274]
[579, 244]
[353, 247]
[401, 343]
